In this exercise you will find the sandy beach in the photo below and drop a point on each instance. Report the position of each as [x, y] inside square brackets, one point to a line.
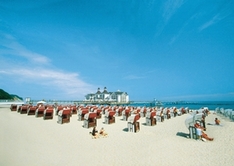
[30, 141]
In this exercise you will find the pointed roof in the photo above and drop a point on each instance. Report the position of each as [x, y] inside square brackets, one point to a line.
[105, 90]
[98, 91]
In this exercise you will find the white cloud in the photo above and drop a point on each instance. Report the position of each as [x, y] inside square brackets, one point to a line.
[68, 83]
[133, 77]
[37, 71]
[214, 20]
[170, 8]
[12, 47]
[223, 13]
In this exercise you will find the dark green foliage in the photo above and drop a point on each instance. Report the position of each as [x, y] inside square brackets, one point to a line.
[6, 96]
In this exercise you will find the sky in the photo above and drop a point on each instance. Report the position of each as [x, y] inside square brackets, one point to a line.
[168, 50]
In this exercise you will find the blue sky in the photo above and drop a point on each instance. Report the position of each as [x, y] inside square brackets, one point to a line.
[164, 49]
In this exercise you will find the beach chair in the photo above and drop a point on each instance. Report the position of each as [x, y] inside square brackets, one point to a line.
[32, 110]
[226, 112]
[40, 111]
[126, 113]
[133, 123]
[168, 115]
[48, 113]
[186, 110]
[222, 111]
[119, 111]
[158, 116]
[110, 117]
[24, 109]
[64, 116]
[99, 113]
[232, 115]
[189, 123]
[165, 113]
[81, 113]
[206, 111]
[13, 107]
[182, 110]
[151, 118]
[73, 110]
[217, 110]
[19, 108]
[143, 111]
[172, 112]
[58, 108]
[90, 120]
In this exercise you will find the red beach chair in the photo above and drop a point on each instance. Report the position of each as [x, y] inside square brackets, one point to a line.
[90, 120]
[133, 123]
[40, 111]
[24, 109]
[82, 113]
[109, 117]
[48, 113]
[151, 118]
[32, 110]
[64, 116]
[98, 112]
[13, 107]
[126, 113]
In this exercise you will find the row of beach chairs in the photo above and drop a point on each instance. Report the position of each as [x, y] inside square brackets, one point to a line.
[90, 114]
[39, 111]
[228, 113]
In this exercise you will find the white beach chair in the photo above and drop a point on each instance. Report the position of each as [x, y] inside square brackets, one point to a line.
[133, 123]
[90, 120]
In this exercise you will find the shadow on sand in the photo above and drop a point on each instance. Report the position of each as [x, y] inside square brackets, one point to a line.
[125, 129]
[181, 134]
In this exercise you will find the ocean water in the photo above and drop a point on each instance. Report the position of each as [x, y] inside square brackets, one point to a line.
[212, 105]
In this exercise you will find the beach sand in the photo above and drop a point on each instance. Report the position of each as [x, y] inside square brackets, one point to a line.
[30, 141]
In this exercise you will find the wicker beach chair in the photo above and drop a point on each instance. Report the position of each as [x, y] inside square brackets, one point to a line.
[48, 113]
[151, 118]
[24, 109]
[13, 107]
[126, 113]
[99, 113]
[81, 113]
[31, 110]
[40, 111]
[90, 120]
[133, 123]
[109, 117]
[64, 116]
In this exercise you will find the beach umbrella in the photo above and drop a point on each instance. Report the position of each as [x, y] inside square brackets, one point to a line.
[41, 102]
